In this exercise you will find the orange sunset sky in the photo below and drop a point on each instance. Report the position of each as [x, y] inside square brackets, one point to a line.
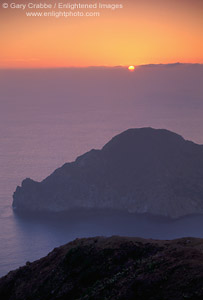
[143, 32]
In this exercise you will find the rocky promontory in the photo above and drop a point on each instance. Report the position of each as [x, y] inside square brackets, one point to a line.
[142, 170]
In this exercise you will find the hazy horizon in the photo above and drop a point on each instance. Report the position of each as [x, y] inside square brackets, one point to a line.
[158, 64]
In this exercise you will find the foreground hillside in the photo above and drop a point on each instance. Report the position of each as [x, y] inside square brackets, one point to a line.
[112, 268]
[140, 170]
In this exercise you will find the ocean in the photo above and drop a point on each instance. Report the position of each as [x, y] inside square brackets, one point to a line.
[49, 117]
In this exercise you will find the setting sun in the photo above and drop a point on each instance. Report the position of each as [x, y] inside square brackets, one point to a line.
[131, 68]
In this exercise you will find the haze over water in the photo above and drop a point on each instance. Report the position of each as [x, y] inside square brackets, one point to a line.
[49, 117]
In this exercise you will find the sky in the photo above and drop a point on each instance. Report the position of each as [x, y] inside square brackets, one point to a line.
[141, 32]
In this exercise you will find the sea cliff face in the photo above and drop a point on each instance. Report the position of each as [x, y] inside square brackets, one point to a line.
[111, 268]
[140, 170]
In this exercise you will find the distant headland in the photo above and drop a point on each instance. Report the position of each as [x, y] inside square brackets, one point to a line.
[141, 170]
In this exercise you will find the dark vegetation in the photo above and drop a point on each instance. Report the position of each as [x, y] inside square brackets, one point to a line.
[115, 268]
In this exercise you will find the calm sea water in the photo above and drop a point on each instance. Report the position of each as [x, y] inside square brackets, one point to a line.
[50, 117]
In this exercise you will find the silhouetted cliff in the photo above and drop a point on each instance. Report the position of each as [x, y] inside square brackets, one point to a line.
[111, 268]
[140, 170]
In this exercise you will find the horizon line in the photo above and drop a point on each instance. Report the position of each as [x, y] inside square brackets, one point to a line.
[95, 67]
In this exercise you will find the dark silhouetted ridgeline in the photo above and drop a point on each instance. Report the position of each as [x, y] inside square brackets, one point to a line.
[111, 268]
